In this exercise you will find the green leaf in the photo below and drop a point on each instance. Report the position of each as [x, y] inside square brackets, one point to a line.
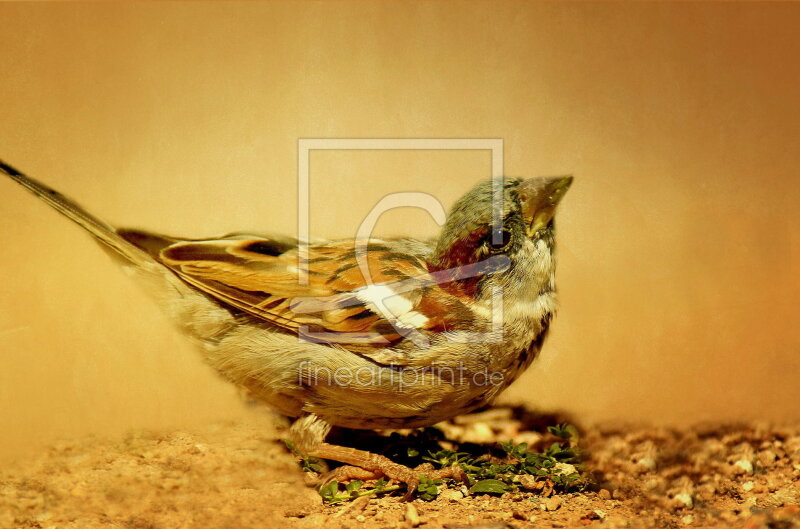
[446, 458]
[381, 484]
[329, 491]
[354, 485]
[558, 431]
[489, 486]
[428, 489]
[312, 464]
[518, 452]
[564, 431]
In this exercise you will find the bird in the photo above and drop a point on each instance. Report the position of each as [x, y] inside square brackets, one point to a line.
[361, 333]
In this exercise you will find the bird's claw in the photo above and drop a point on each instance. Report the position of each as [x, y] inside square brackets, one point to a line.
[395, 472]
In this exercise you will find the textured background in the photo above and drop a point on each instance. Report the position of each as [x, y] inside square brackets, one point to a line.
[679, 240]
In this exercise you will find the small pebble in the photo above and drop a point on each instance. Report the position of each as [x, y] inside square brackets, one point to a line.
[452, 495]
[552, 504]
[356, 506]
[685, 499]
[688, 519]
[604, 494]
[519, 515]
[772, 484]
[652, 484]
[767, 458]
[743, 466]
[565, 468]
[412, 516]
[478, 433]
[528, 482]
[647, 463]
[747, 486]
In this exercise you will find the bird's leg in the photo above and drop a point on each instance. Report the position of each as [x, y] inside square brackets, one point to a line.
[308, 434]
[349, 473]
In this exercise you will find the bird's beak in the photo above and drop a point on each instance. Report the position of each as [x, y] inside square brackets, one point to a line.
[539, 198]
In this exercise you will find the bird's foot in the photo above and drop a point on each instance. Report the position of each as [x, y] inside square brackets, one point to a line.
[454, 472]
[365, 465]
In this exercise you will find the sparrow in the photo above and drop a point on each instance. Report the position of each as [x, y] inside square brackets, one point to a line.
[360, 333]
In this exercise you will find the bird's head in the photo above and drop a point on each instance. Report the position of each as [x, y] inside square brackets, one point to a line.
[501, 232]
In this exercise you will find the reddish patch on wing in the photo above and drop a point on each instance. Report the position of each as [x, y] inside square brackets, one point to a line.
[462, 252]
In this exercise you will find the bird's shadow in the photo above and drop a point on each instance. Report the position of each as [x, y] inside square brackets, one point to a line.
[409, 447]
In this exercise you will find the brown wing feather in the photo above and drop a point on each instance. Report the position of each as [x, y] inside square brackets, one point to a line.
[260, 276]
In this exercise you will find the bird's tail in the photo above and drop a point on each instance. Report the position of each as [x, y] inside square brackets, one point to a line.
[104, 233]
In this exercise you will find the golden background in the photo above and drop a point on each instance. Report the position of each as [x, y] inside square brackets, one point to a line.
[679, 244]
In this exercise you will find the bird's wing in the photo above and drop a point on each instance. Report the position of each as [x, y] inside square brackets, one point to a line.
[321, 294]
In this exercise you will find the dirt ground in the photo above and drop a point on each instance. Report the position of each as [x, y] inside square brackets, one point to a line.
[241, 475]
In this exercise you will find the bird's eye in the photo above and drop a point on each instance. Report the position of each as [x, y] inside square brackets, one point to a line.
[499, 240]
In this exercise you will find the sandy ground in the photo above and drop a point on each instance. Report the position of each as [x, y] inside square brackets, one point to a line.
[241, 475]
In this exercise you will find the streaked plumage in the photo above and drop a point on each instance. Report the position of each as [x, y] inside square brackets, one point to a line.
[419, 330]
